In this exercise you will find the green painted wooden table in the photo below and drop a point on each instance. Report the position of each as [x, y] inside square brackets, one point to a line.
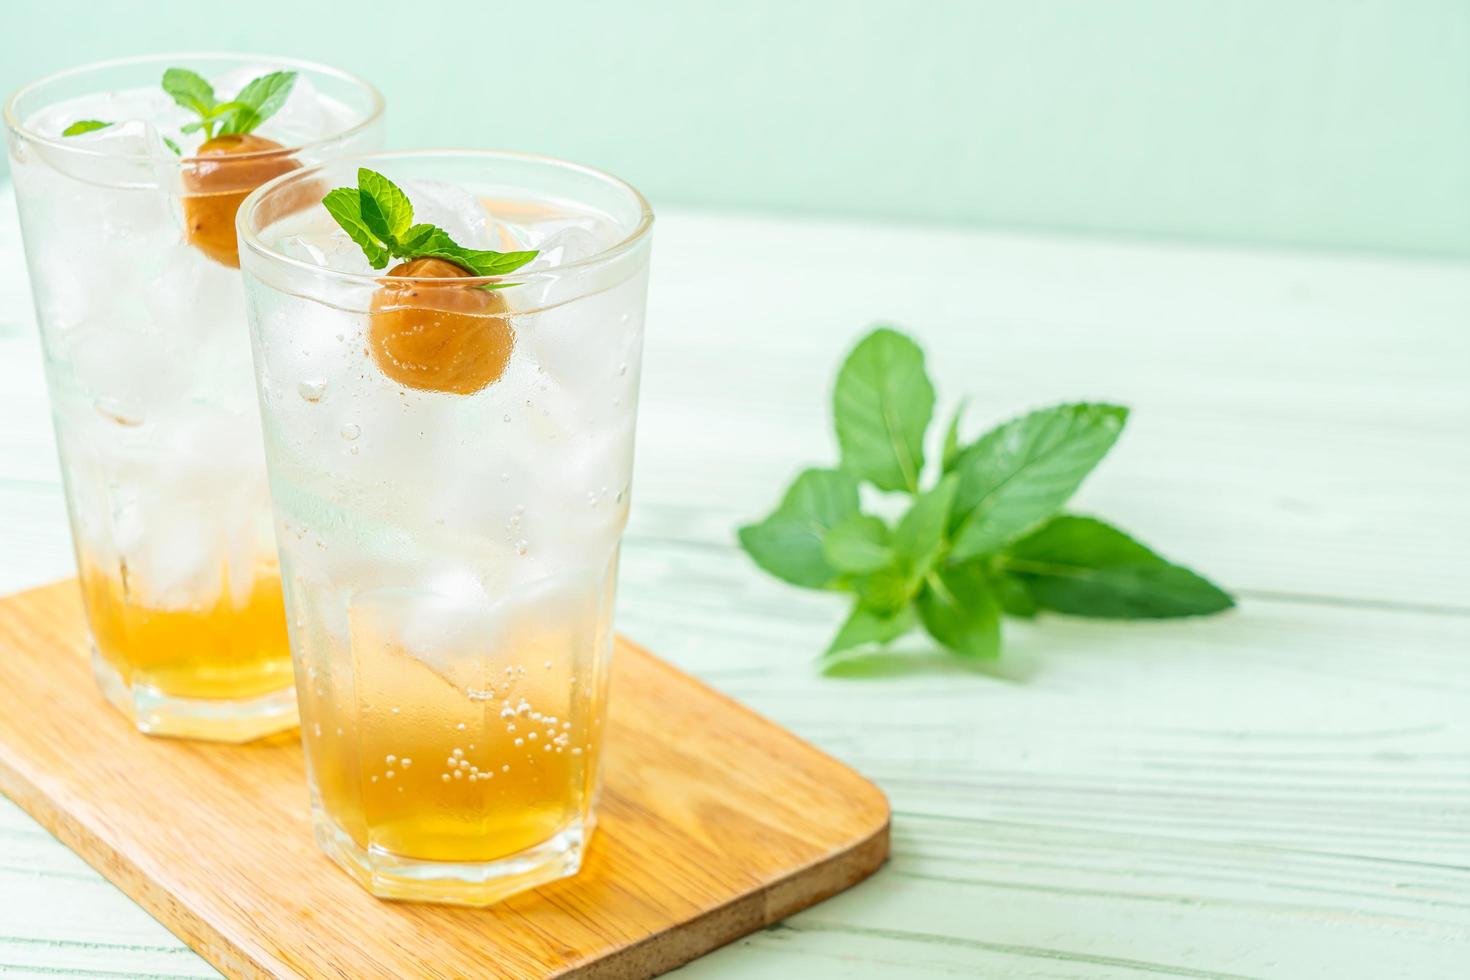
[1282, 792]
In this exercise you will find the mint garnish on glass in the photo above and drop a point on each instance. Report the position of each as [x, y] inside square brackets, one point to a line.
[982, 540]
[255, 103]
[84, 126]
[378, 216]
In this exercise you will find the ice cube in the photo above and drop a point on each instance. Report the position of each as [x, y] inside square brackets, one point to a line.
[570, 244]
[310, 115]
[452, 208]
[440, 624]
[127, 375]
[551, 618]
[170, 547]
[591, 348]
[331, 249]
[455, 628]
[194, 302]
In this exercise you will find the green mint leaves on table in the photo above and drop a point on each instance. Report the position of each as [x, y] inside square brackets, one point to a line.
[254, 104]
[84, 126]
[379, 218]
[983, 540]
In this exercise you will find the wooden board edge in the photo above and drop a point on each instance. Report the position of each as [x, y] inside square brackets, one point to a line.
[802, 888]
[91, 845]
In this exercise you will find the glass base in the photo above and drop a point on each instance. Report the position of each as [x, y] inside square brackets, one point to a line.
[211, 719]
[475, 884]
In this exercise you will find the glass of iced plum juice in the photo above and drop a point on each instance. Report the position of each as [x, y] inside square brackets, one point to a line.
[128, 175]
[448, 352]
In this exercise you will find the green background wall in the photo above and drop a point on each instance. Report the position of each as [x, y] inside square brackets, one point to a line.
[1342, 123]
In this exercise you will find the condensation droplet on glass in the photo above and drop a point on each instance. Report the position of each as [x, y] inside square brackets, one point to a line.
[311, 391]
[350, 431]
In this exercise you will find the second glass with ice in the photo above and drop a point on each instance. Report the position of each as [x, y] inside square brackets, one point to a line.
[128, 175]
[447, 354]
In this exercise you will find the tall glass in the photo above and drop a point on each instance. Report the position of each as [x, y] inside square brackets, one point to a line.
[132, 261]
[450, 469]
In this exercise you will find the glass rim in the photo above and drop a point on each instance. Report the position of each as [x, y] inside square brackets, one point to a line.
[249, 237]
[12, 120]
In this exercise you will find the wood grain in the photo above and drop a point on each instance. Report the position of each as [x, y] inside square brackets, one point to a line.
[714, 823]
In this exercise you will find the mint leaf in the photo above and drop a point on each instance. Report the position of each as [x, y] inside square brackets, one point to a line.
[487, 263]
[788, 543]
[380, 219]
[386, 210]
[919, 535]
[984, 541]
[345, 205]
[857, 544]
[1013, 596]
[225, 112]
[881, 406]
[173, 146]
[888, 590]
[258, 101]
[959, 611]
[866, 627]
[417, 235]
[950, 454]
[84, 126]
[1084, 567]
[1019, 473]
[189, 90]
[886, 570]
[437, 244]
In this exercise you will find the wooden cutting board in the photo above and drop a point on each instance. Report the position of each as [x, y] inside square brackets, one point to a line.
[714, 823]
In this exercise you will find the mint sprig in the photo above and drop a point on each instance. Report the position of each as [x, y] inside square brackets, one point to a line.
[984, 540]
[84, 126]
[255, 103]
[378, 216]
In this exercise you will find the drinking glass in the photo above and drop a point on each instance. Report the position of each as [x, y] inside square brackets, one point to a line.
[450, 468]
[131, 252]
